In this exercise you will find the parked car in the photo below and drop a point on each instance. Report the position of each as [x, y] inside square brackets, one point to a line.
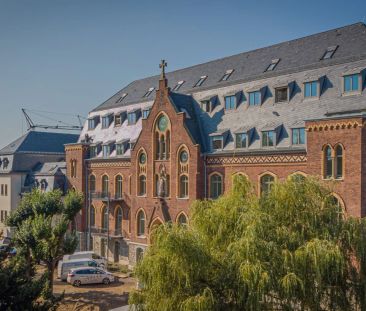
[64, 267]
[87, 254]
[90, 275]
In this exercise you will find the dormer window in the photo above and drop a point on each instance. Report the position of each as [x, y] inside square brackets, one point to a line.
[241, 140]
[121, 98]
[273, 64]
[178, 85]
[132, 117]
[230, 102]
[93, 151]
[255, 98]
[268, 138]
[298, 136]
[311, 89]
[93, 122]
[106, 121]
[117, 120]
[148, 93]
[121, 148]
[281, 94]
[351, 83]
[145, 113]
[330, 52]
[106, 151]
[217, 142]
[227, 75]
[200, 81]
[206, 105]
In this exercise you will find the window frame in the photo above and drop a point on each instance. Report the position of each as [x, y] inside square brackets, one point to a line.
[200, 81]
[255, 98]
[358, 79]
[311, 89]
[267, 134]
[217, 138]
[130, 120]
[277, 90]
[216, 185]
[236, 140]
[230, 102]
[299, 130]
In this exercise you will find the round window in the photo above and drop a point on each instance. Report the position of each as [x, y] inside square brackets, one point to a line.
[184, 156]
[163, 123]
[142, 158]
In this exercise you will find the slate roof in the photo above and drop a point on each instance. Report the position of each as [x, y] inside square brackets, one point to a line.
[294, 55]
[39, 142]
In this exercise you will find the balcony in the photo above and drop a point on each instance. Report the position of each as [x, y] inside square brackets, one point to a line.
[113, 233]
[105, 196]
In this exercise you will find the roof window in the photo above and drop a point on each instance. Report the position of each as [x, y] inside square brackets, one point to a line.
[178, 85]
[227, 75]
[148, 93]
[273, 64]
[330, 52]
[121, 98]
[200, 81]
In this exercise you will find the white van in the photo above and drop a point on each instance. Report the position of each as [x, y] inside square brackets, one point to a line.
[64, 267]
[102, 262]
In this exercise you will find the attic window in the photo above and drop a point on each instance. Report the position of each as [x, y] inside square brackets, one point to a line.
[178, 85]
[117, 120]
[281, 94]
[149, 91]
[121, 97]
[273, 64]
[106, 121]
[132, 118]
[206, 105]
[227, 75]
[217, 142]
[200, 81]
[268, 138]
[92, 123]
[145, 113]
[329, 52]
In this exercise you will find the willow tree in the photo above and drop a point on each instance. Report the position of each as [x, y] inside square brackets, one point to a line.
[42, 220]
[291, 249]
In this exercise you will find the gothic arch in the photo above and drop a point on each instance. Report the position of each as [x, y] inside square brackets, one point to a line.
[179, 215]
[260, 176]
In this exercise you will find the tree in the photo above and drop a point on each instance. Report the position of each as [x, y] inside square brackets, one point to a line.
[291, 249]
[42, 221]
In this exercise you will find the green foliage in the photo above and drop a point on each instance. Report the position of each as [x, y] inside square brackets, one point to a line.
[291, 249]
[42, 221]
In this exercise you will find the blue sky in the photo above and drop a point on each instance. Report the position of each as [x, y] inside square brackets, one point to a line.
[68, 56]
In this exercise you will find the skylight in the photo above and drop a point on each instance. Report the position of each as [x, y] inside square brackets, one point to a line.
[273, 64]
[178, 85]
[149, 91]
[227, 75]
[121, 97]
[330, 52]
[200, 81]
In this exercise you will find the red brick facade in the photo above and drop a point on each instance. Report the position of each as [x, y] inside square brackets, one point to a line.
[350, 133]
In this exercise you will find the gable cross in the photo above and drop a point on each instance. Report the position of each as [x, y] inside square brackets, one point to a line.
[162, 65]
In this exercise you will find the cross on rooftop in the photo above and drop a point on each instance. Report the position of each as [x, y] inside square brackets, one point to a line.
[162, 65]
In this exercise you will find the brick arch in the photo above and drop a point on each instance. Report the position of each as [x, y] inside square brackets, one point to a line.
[260, 176]
[209, 182]
[180, 214]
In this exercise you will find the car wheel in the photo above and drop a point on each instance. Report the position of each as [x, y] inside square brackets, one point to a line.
[106, 281]
[77, 283]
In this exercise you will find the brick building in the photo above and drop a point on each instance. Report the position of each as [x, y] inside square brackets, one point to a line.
[162, 142]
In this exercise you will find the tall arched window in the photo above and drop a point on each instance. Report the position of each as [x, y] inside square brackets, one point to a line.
[162, 138]
[105, 186]
[92, 184]
[183, 186]
[266, 184]
[328, 162]
[182, 219]
[142, 185]
[105, 218]
[118, 217]
[339, 162]
[140, 223]
[92, 216]
[119, 187]
[215, 186]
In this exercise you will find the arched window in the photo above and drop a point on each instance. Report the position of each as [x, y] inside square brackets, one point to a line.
[92, 184]
[92, 216]
[183, 186]
[140, 223]
[215, 186]
[182, 219]
[118, 187]
[162, 138]
[266, 184]
[142, 185]
[297, 177]
[105, 218]
[118, 218]
[328, 162]
[139, 254]
[105, 186]
[339, 162]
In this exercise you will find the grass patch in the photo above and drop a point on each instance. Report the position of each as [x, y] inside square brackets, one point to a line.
[115, 267]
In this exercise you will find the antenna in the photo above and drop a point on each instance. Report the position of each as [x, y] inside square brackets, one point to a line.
[60, 125]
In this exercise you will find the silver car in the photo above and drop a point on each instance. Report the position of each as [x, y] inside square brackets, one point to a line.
[89, 275]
